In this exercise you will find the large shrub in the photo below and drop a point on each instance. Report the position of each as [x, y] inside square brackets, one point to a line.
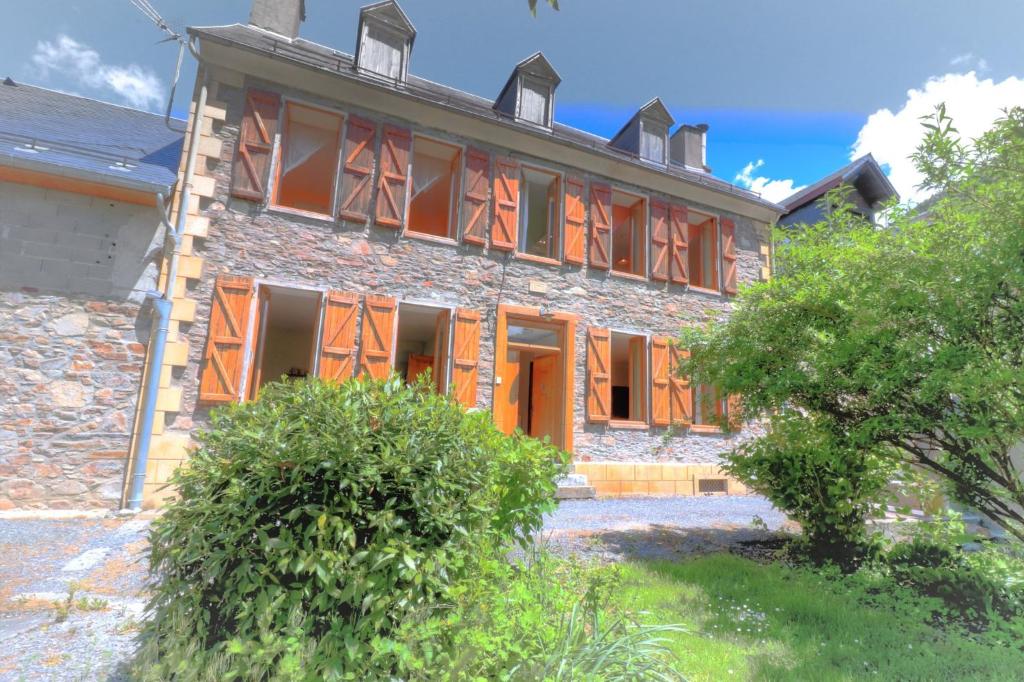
[311, 522]
[829, 488]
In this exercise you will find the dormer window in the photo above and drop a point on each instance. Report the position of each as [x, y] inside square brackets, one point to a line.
[646, 134]
[384, 41]
[529, 93]
[652, 141]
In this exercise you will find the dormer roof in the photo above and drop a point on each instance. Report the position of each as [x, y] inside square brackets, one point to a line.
[390, 13]
[533, 76]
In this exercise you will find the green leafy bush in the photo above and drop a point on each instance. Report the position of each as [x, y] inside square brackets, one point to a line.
[315, 520]
[828, 487]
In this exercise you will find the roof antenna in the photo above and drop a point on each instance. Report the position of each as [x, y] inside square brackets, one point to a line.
[147, 9]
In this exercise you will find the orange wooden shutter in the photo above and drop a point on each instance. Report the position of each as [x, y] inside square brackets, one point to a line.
[575, 219]
[599, 375]
[357, 173]
[659, 241]
[600, 226]
[466, 358]
[378, 331]
[729, 255]
[679, 236]
[338, 341]
[680, 396]
[734, 412]
[255, 143]
[504, 229]
[225, 341]
[394, 176]
[476, 179]
[660, 410]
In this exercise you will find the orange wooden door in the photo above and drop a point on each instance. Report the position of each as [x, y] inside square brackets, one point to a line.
[546, 399]
[506, 394]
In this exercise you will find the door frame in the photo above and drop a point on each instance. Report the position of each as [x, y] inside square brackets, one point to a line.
[565, 323]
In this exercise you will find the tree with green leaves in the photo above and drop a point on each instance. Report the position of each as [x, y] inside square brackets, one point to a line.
[901, 343]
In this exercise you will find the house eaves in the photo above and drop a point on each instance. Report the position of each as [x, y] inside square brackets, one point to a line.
[338, 66]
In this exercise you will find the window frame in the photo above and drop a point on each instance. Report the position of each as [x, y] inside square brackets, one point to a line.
[274, 181]
[645, 240]
[455, 208]
[645, 422]
[717, 241]
[452, 310]
[559, 176]
[705, 427]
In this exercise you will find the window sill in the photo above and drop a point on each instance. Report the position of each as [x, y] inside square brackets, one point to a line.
[628, 424]
[538, 259]
[704, 428]
[312, 215]
[413, 234]
[628, 275]
[702, 290]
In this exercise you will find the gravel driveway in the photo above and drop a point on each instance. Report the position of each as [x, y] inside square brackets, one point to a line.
[101, 562]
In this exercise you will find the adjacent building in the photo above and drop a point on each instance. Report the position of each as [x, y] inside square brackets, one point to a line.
[869, 187]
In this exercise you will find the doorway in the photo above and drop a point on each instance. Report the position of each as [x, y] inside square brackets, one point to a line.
[533, 374]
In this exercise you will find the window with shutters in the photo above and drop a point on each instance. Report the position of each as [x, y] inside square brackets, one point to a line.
[702, 251]
[434, 200]
[308, 162]
[423, 343]
[628, 378]
[285, 340]
[539, 214]
[629, 228]
[709, 408]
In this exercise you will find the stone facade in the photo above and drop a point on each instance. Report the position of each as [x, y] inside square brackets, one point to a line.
[72, 335]
[282, 248]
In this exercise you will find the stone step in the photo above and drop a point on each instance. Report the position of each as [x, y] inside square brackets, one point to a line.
[574, 487]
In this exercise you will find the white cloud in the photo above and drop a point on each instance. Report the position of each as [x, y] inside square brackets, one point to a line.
[136, 86]
[968, 60]
[973, 103]
[772, 190]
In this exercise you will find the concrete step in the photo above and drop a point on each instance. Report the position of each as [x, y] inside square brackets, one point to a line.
[574, 487]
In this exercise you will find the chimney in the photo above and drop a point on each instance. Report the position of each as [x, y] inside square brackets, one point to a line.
[688, 147]
[279, 16]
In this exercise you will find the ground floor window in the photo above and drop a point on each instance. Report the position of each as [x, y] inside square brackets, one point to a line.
[422, 343]
[629, 377]
[285, 342]
[709, 407]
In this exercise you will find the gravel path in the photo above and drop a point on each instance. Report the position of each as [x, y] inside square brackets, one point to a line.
[102, 562]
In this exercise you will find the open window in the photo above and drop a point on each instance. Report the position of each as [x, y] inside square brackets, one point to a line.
[539, 214]
[629, 226]
[629, 377]
[435, 187]
[423, 343]
[310, 144]
[709, 407]
[285, 343]
[702, 250]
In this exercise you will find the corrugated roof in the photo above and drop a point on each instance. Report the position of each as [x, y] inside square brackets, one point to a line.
[849, 173]
[314, 55]
[52, 131]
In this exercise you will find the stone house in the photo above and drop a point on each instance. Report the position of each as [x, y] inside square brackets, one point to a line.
[348, 217]
[80, 235]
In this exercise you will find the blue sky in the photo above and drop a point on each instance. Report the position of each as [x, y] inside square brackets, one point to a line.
[791, 89]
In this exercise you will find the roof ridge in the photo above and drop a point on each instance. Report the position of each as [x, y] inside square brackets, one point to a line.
[98, 101]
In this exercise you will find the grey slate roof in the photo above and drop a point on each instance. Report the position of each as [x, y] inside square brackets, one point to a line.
[864, 171]
[53, 132]
[322, 58]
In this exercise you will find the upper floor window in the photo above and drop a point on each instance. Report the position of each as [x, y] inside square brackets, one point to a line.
[703, 251]
[310, 144]
[435, 186]
[538, 214]
[629, 226]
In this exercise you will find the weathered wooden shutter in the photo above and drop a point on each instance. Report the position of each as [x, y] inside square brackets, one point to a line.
[357, 173]
[679, 235]
[466, 357]
[660, 407]
[475, 181]
[338, 340]
[600, 226]
[504, 229]
[225, 341]
[394, 176]
[659, 240]
[729, 256]
[680, 396]
[255, 144]
[599, 375]
[575, 221]
[378, 332]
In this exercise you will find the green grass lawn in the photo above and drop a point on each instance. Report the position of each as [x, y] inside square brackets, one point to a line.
[746, 620]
